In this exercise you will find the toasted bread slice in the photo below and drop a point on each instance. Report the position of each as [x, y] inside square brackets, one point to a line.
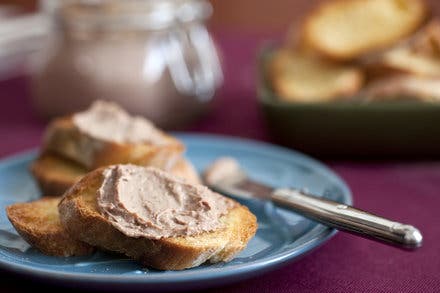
[403, 60]
[345, 30]
[300, 77]
[403, 87]
[419, 55]
[55, 174]
[80, 216]
[64, 139]
[39, 224]
[427, 41]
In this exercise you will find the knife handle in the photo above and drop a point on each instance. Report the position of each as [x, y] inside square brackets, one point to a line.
[348, 218]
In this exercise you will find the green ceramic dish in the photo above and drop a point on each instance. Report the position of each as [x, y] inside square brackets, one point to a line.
[376, 129]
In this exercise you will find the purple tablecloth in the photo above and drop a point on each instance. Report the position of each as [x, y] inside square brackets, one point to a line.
[404, 191]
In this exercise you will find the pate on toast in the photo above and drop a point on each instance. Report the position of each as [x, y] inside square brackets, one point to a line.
[79, 209]
[38, 221]
[55, 174]
[66, 140]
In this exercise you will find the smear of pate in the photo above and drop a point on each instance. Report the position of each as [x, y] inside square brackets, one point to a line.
[221, 169]
[147, 202]
[109, 122]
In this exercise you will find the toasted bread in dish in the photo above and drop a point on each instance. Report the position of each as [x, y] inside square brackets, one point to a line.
[80, 216]
[403, 87]
[39, 224]
[418, 55]
[404, 61]
[300, 77]
[345, 30]
[55, 174]
[64, 139]
[427, 41]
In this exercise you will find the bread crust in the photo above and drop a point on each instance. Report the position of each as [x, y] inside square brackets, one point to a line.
[55, 174]
[38, 223]
[384, 35]
[66, 140]
[78, 210]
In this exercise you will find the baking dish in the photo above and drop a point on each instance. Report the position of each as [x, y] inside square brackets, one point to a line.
[362, 129]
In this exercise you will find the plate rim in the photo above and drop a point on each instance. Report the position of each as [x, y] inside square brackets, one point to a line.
[238, 272]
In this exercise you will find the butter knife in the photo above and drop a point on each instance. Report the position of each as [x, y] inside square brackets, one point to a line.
[227, 177]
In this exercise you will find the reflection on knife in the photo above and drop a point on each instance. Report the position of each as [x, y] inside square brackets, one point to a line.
[226, 176]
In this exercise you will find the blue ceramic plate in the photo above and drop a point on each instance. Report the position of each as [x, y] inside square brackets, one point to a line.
[282, 235]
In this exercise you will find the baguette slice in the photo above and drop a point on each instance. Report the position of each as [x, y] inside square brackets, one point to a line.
[404, 61]
[419, 55]
[345, 30]
[39, 224]
[64, 139]
[80, 216]
[301, 77]
[55, 174]
[403, 87]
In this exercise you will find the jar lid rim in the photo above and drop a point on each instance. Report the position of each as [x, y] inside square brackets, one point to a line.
[149, 14]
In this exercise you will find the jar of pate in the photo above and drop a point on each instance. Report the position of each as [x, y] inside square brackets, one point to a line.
[155, 58]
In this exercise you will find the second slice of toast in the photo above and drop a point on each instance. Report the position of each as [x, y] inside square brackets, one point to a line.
[66, 140]
[55, 174]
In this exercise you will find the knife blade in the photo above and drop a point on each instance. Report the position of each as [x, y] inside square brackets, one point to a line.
[226, 176]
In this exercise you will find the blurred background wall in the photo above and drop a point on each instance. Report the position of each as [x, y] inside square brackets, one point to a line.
[248, 15]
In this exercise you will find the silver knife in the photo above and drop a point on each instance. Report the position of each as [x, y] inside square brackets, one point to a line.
[226, 176]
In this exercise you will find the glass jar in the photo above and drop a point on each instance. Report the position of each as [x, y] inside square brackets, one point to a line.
[153, 57]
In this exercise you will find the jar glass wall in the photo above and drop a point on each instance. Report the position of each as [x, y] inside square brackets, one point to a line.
[155, 58]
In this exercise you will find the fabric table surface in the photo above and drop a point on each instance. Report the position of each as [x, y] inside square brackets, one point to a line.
[405, 191]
